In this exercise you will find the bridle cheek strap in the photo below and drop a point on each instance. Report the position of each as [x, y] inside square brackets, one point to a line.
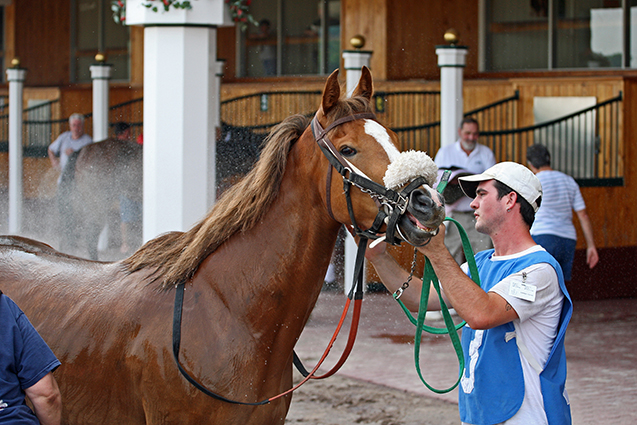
[349, 176]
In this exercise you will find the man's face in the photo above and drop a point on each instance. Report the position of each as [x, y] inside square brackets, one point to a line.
[77, 128]
[469, 134]
[489, 211]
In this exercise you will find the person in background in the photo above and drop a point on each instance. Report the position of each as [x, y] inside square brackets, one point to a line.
[61, 154]
[26, 366]
[467, 155]
[553, 227]
[513, 344]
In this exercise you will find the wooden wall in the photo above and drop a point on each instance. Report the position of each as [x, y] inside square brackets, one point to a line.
[611, 209]
[369, 19]
[40, 37]
[416, 27]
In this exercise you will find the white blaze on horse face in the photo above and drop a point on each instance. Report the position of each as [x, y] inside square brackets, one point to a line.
[379, 133]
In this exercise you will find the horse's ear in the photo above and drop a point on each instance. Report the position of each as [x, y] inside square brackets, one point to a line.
[331, 93]
[365, 87]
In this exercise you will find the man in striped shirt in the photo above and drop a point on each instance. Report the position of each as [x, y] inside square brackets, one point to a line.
[553, 227]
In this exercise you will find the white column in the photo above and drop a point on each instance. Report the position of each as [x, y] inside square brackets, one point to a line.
[15, 77]
[451, 60]
[180, 51]
[100, 74]
[354, 60]
[177, 125]
[215, 116]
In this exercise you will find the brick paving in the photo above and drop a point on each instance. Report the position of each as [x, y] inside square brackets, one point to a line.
[600, 344]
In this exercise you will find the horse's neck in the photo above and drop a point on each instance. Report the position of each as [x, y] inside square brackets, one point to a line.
[283, 259]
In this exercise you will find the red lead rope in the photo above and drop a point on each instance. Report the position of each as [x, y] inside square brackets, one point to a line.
[348, 348]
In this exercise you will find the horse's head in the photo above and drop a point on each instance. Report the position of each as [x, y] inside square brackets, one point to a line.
[385, 190]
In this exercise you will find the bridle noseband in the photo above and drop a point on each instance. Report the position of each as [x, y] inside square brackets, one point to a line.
[391, 204]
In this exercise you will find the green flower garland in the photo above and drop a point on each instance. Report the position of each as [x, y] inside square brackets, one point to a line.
[239, 10]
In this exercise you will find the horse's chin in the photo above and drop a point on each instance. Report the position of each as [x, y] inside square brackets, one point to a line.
[418, 232]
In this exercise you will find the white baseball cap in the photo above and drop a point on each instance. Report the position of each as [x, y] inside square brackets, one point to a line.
[512, 174]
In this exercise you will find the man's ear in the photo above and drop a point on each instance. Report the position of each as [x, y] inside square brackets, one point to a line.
[512, 198]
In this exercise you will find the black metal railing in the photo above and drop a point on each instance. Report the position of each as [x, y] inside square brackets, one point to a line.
[130, 112]
[261, 111]
[498, 115]
[39, 130]
[585, 145]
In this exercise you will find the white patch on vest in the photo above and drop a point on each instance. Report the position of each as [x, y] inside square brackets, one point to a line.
[468, 382]
[379, 133]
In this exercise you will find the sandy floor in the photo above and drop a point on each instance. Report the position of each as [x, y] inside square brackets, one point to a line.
[339, 400]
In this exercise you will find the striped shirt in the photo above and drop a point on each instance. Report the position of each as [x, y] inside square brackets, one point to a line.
[560, 197]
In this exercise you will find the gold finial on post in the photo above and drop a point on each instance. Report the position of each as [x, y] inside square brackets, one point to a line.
[358, 41]
[100, 57]
[15, 63]
[452, 36]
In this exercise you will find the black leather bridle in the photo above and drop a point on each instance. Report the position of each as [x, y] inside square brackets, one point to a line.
[391, 204]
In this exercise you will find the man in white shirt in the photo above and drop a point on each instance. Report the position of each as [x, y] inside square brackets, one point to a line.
[470, 157]
[515, 362]
[60, 151]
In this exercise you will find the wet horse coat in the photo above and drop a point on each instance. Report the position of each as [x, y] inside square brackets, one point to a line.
[253, 270]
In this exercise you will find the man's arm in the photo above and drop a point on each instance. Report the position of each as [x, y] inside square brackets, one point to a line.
[46, 399]
[55, 161]
[591, 252]
[480, 309]
[393, 276]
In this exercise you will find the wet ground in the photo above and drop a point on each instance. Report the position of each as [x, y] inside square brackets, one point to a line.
[379, 383]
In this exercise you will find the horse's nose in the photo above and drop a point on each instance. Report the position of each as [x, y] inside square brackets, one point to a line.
[422, 200]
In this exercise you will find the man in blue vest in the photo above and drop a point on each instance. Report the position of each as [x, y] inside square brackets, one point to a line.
[515, 363]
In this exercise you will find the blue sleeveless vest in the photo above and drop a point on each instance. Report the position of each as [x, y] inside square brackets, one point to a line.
[492, 384]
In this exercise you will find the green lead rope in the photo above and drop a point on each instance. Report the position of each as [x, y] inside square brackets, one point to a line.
[430, 279]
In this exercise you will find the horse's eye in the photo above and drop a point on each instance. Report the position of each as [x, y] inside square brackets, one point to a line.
[347, 151]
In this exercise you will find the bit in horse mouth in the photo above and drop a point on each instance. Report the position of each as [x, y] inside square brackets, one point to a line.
[418, 224]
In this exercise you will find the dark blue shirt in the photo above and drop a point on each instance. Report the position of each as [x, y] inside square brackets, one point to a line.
[24, 360]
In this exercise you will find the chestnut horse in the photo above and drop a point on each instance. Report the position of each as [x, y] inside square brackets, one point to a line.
[253, 270]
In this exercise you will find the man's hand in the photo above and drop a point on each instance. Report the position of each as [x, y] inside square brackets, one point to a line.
[436, 244]
[375, 250]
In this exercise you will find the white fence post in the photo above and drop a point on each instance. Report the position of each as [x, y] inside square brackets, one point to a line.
[15, 77]
[353, 60]
[451, 60]
[100, 74]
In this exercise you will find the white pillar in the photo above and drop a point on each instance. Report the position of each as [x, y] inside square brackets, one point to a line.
[354, 60]
[177, 125]
[100, 74]
[15, 77]
[215, 116]
[180, 52]
[451, 60]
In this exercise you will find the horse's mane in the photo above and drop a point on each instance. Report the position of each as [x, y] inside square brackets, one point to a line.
[175, 256]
